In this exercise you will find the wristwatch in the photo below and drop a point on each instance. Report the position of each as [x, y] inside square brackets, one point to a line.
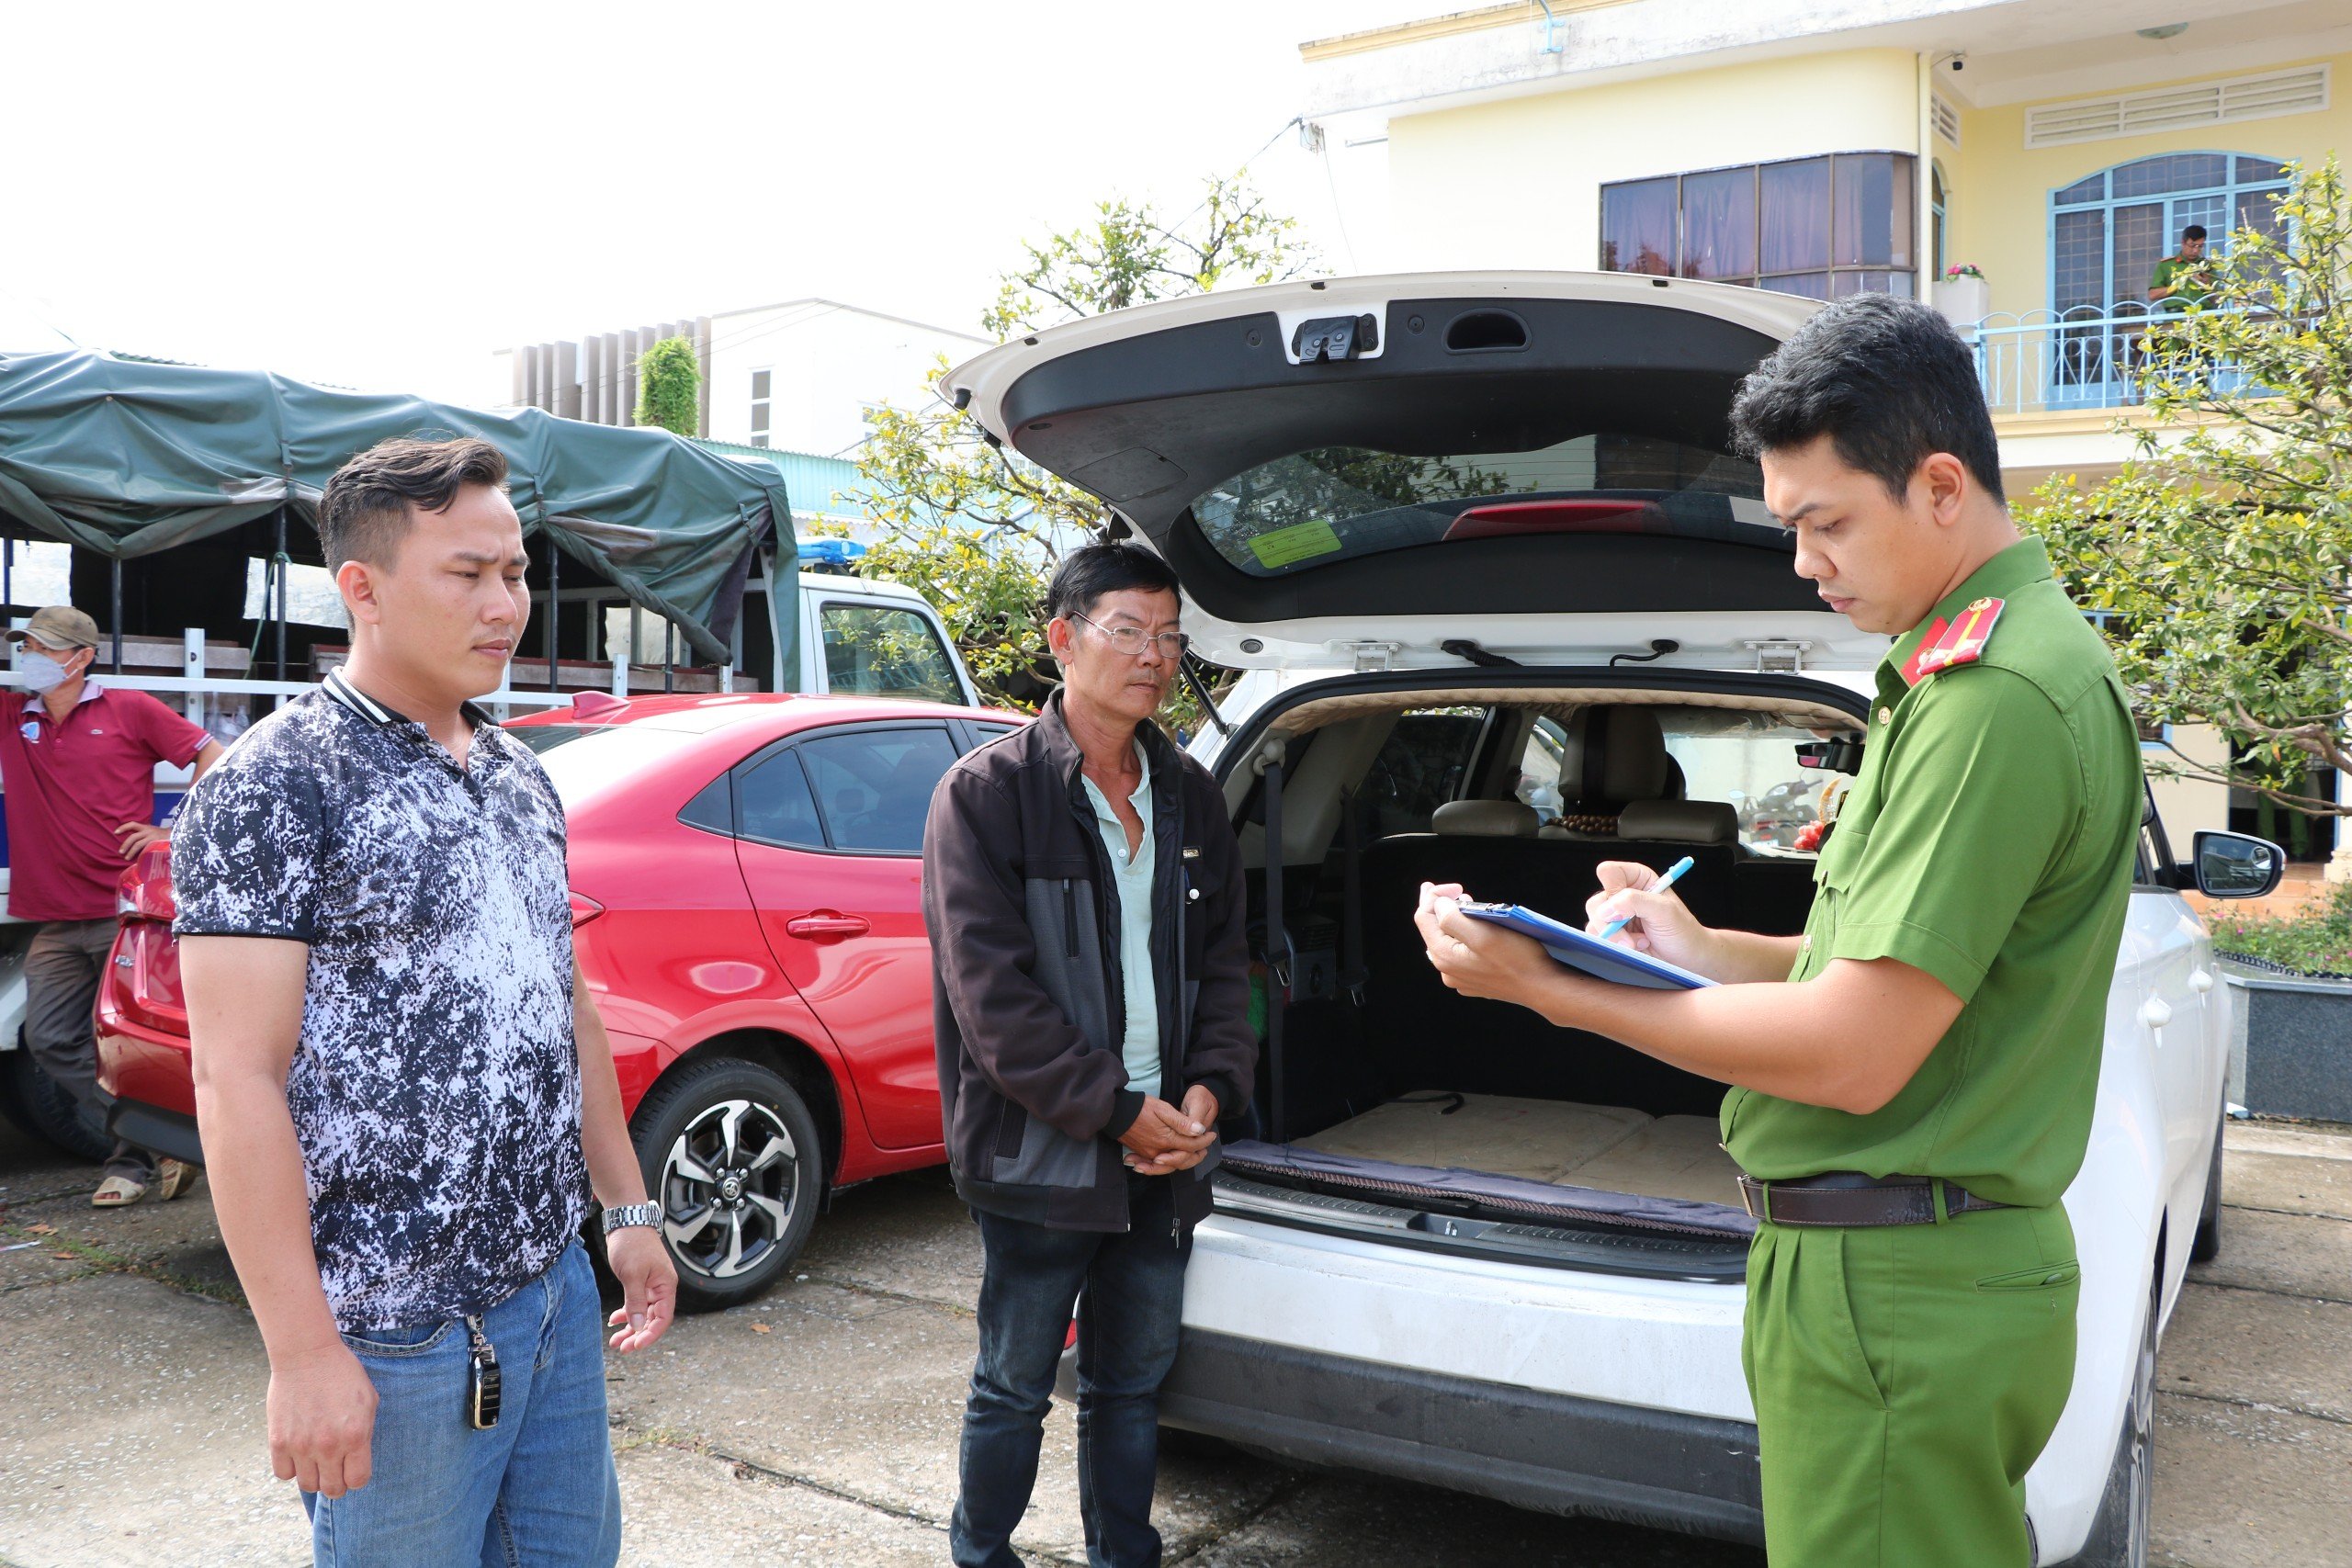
[629, 1214]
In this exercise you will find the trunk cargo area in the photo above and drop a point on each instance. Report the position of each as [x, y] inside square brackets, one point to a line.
[1606, 1148]
[1406, 1095]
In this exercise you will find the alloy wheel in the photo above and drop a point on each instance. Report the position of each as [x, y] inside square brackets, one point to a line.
[727, 1189]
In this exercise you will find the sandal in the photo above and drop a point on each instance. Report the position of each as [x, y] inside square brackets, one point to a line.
[117, 1192]
[175, 1178]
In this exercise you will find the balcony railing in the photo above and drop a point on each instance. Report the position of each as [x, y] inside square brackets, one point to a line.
[2090, 357]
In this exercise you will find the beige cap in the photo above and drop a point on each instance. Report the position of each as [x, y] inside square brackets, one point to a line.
[58, 627]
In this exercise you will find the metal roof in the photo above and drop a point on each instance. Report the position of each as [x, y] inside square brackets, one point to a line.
[818, 485]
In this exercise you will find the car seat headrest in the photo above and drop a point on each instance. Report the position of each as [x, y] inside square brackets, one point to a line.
[1615, 752]
[1486, 819]
[1680, 821]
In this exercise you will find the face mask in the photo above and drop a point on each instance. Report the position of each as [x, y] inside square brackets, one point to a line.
[41, 673]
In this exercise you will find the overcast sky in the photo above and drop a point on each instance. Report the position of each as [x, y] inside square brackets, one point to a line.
[382, 195]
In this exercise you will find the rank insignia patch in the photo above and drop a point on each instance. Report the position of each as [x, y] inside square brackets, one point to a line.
[1961, 642]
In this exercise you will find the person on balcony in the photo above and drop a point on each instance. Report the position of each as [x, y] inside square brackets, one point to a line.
[2185, 278]
[77, 764]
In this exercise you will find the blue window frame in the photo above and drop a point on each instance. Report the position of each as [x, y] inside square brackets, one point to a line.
[2109, 230]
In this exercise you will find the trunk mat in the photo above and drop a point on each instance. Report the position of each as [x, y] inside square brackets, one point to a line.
[1511, 1197]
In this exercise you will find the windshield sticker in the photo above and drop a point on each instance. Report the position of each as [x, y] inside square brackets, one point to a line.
[1300, 541]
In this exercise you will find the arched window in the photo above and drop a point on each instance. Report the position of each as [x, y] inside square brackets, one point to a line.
[2109, 230]
[1939, 202]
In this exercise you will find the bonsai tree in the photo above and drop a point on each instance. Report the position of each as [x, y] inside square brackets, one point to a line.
[2222, 550]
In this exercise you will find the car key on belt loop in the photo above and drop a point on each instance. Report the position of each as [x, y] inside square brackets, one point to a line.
[482, 1382]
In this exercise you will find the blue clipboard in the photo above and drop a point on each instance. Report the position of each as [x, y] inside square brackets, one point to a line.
[1579, 950]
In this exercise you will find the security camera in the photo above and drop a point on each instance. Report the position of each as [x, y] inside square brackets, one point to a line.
[1958, 62]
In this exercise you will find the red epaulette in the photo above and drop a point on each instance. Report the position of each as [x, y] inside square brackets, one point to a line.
[1961, 642]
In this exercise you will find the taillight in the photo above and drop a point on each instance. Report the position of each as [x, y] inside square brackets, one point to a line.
[583, 910]
[142, 982]
[145, 891]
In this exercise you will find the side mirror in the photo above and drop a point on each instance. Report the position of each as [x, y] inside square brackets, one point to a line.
[2234, 865]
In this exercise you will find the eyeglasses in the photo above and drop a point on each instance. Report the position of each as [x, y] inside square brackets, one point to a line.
[1131, 640]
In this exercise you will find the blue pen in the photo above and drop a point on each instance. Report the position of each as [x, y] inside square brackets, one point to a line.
[1663, 883]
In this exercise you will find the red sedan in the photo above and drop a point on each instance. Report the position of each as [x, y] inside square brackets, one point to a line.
[746, 894]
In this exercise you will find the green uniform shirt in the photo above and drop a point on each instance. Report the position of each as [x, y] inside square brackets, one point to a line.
[2190, 281]
[1140, 1048]
[1987, 841]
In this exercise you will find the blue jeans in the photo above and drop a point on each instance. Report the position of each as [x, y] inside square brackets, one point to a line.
[1128, 1291]
[536, 1489]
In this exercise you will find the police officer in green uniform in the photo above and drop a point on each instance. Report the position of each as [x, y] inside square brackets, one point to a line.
[1912, 1078]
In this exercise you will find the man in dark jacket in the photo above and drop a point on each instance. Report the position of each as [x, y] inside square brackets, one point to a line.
[1083, 891]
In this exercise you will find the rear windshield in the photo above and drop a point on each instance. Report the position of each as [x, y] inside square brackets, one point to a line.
[1333, 503]
[583, 759]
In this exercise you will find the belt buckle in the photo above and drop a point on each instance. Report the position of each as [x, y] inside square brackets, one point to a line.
[1752, 1193]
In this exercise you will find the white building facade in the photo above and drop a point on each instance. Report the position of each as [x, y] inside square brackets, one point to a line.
[795, 377]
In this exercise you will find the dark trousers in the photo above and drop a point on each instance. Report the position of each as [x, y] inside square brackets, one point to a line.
[1128, 1291]
[62, 970]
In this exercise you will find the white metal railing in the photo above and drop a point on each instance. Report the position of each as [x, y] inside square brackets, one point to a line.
[208, 698]
[2088, 356]
[222, 705]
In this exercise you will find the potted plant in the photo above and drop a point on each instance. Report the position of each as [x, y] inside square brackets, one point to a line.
[2289, 979]
[1962, 294]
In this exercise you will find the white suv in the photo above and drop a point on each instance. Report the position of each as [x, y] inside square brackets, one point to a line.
[1508, 608]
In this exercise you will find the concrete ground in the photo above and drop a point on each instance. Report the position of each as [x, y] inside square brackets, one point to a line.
[818, 1425]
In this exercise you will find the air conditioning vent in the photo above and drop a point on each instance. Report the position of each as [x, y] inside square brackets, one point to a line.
[2302, 90]
[1947, 119]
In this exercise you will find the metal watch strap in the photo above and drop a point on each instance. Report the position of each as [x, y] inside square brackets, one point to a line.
[628, 1215]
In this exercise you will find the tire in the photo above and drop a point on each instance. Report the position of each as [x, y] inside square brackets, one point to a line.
[38, 1105]
[2119, 1536]
[731, 1154]
[2206, 1245]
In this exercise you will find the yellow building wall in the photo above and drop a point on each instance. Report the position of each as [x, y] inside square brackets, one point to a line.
[1998, 212]
[2190, 806]
[1517, 184]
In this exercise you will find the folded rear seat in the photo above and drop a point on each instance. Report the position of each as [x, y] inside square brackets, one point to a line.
[1499, 852]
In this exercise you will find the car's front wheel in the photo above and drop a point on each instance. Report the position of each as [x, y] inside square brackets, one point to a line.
[2120, 1534]
[730, 1153]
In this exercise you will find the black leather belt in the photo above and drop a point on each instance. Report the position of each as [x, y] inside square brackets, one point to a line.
[1850, 1197]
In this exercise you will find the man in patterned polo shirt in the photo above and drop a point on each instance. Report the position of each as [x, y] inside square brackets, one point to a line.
[404, 1092]
[1912, 1078]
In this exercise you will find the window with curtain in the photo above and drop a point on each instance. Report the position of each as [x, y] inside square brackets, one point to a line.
[1817, 227]
[1637, 227]
[2109, 230]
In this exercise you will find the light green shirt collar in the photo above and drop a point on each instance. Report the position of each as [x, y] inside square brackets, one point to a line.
[2024, 562]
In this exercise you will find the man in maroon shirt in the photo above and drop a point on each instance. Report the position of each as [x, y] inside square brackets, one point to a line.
[77, 767]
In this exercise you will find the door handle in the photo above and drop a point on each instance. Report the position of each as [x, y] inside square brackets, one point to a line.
[2155, 1012]
[2199, 981]
[826, 926]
